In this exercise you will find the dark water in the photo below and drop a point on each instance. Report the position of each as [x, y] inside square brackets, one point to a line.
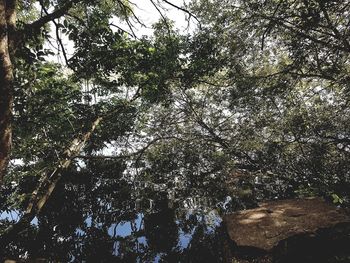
[104, 214]
[99, 218]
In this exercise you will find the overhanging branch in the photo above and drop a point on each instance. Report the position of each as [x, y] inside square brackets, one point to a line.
[50, 17]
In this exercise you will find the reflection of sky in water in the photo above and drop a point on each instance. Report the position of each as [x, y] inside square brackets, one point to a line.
[212, 220]
[15, 215]
[131, 235]
[116, 248]
[142, 240]
[79, 232]
[34, 221]
[10, 215]
[88, 221]
[158, 257]
[185, 239]
[123, 229]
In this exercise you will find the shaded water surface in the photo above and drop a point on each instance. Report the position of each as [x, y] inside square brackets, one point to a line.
[115, 219]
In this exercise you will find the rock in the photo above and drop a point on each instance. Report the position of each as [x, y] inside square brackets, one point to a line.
[262, 229]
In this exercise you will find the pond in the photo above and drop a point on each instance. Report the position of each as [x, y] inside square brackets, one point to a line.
[99, 218]
[119, 215]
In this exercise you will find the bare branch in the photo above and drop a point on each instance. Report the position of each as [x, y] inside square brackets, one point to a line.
[269, 27]
[333, 28]
[127, 10]
[57, 34]
[183, 10]
[162, 15]
[297, 31]
[123, 30]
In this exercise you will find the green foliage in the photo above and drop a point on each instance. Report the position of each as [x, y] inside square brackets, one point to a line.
[336, 199]
[251, 105]
[260, 87]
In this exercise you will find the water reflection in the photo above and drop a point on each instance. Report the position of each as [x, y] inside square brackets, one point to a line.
[99, 218]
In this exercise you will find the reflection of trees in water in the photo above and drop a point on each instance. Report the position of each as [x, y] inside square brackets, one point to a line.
[102, 217]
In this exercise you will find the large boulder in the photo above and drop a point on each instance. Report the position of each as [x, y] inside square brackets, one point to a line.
[264, 230]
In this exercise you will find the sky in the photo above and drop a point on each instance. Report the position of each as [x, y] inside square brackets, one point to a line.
[148, 15]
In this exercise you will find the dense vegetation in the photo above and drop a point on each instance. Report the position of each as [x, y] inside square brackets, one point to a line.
[257, 98]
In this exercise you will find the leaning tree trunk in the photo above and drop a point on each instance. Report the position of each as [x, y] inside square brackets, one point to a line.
[7, 29]
[48, 183]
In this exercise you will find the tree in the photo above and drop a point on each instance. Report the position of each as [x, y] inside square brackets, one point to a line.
[82, 19]
[56, 115]
[264, 90]
[7, 31]
[285, 63]
[253, 104]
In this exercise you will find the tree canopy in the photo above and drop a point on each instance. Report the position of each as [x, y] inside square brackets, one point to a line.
[253, 103]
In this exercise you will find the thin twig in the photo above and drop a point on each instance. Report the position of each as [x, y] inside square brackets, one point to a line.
[183, 10]
[162, 15]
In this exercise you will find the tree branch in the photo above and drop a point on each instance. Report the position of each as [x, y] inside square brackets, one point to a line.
[333, 28]
[47, 185]
[183, 10]
[291, 27]
[50, 17]
[57, 34]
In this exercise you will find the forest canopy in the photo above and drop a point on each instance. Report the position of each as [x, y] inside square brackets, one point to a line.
[257, 95]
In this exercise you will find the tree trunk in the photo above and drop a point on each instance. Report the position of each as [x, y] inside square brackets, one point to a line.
[47, 185]
[7, 29]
